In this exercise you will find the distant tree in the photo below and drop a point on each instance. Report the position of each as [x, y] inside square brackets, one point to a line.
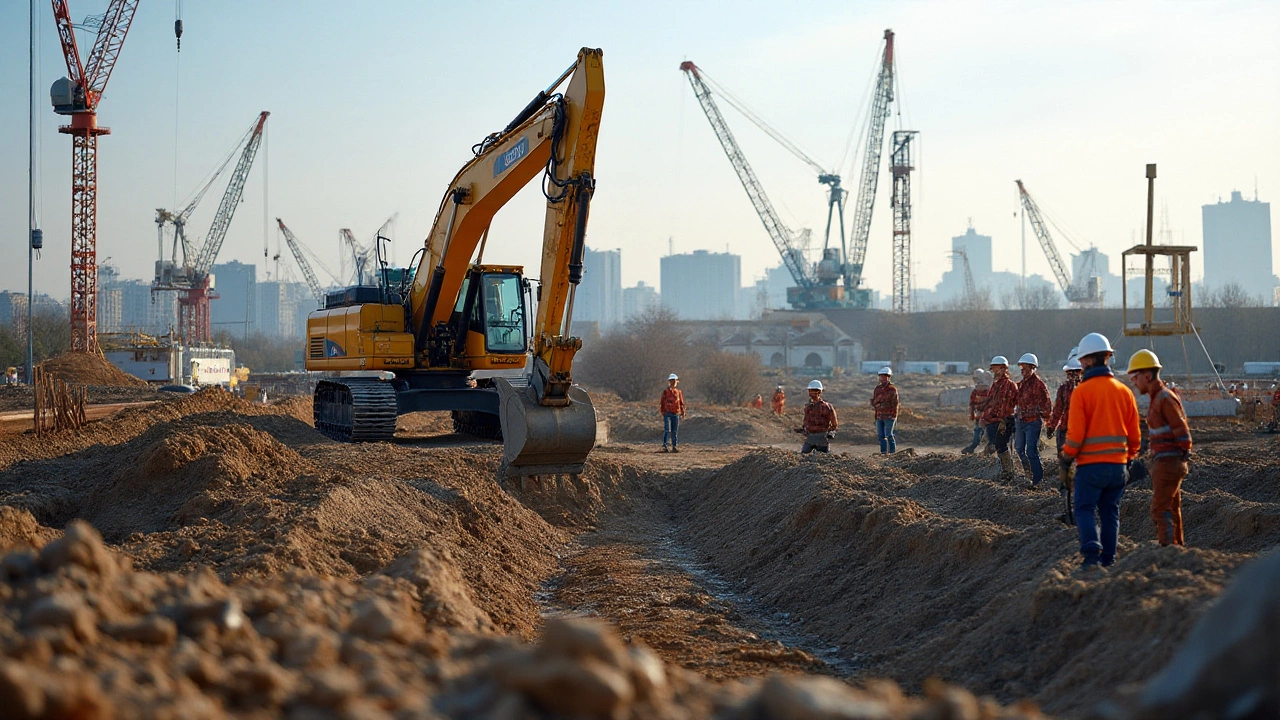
[635, 360]
[1039, 297]
[262, 353]
[1231, 295]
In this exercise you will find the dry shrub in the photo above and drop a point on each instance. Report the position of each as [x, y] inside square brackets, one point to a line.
[726, 378]
[635, 361]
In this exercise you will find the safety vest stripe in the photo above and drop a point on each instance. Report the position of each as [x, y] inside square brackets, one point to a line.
[1109, 451]
[1072, 444]
[1103, 439]
[1161, 430]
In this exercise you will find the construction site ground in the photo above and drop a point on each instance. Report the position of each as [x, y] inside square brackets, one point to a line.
[248, 566]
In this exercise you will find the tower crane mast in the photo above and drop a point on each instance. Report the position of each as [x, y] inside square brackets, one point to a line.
[866, 198]
[307, 272]
[900, 165]
[77, 96]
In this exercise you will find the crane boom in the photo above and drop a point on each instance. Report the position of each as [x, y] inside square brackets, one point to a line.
[230, 201]
[307, 272]
[866, 198]
[1046, 241]
[106, 48]
[970, 287]
[778, 232]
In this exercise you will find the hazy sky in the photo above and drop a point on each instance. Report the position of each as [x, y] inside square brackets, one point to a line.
[374, 107]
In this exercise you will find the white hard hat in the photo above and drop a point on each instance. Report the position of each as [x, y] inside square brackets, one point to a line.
[779, 387]
[673, 376]
[815, 384]
[1075, 353]
[1094, 343]
[1073, 364]
[886, 370]
[1029, 359]
[1000, 360]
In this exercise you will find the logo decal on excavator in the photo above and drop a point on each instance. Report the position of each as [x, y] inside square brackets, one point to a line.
[333, 349]
[511, 157]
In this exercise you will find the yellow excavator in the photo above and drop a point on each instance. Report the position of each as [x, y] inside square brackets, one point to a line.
[453, 333]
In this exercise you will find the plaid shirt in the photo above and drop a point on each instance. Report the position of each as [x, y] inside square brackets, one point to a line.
[1033, 399]
[1062, 405]
[1001, 402]
[819, 416]
[978, 400]
[885, 400]
[672, 402]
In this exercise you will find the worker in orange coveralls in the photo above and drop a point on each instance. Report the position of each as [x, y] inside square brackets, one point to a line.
[1169, 441]
[758, 403]
[779, 401]
[672, 407]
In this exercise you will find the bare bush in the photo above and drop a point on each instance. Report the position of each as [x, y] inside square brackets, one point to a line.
[726, 378]
[1231, 295]
[1038, 297]
[635, 361]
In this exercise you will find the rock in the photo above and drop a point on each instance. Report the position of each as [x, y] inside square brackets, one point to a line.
[20, 694]
[649, 676]
[817, 698]
[586, 688]
[149, 630]
[226, 615]
[1229, 666]
[65, 610]
[80, 545]
[331, 688]
[582, 638]
[379, 619]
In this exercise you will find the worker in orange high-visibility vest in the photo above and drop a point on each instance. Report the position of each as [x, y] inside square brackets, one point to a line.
[1103, 437]
[672, 408]
[779, 401]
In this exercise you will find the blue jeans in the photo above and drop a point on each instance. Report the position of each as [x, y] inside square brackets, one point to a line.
[1099, 487]
[999, 433]
[884, 429]
[978, 433]
[670, 424]
[1026, 440]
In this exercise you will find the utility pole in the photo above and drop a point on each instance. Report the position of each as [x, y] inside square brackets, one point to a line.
[1023, 214]
[1149, 315]
[35, 238]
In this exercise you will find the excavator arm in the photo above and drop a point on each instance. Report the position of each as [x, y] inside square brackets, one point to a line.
[553, 137]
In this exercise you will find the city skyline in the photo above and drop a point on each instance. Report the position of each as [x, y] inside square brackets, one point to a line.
[1074, 100]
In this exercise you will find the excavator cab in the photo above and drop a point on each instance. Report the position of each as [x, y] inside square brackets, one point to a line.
[490, 316]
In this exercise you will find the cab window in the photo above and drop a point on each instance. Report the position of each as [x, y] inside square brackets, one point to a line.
[503, 313]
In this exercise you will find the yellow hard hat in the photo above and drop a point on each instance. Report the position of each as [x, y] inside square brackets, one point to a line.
[1143, 360]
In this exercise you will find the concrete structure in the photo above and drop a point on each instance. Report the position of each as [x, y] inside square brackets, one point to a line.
[702, 285]
[282, 309]
[599, 296]
[233, 311]
[639, 299]
[130, 306]
[789, 339]
[1237, 246]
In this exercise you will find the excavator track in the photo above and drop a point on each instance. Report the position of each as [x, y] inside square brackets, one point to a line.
[356, 409]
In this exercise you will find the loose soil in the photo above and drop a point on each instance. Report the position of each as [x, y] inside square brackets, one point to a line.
[78, 368]
[207, 557]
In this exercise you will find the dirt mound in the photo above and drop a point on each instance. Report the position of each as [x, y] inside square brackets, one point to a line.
[85, 635]
[918, 569]
[19, 528]
[88, 369]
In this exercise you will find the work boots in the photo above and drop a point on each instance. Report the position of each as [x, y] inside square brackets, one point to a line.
[1006, 467]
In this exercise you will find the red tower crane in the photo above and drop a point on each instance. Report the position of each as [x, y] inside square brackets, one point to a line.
[78, 95]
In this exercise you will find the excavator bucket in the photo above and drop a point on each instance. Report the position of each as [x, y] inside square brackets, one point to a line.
[539, 440]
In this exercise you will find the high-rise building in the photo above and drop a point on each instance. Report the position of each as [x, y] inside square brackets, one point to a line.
[236, 285]
[129, 305]
[978, 249]
[599, 295]
[1237, 245]
[638, 299]
[282, 309]
[701, 285]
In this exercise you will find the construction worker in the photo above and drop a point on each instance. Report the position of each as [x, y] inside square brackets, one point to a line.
[1275, 408]
[672, 407]
[884, 399]
[977, 402]
[1169, 440]
[1034, 407]
[998, 417]
[1103, 437]
[758, 403]
[820, 422]
[11, 376]
[1057, 429]
[779, 401]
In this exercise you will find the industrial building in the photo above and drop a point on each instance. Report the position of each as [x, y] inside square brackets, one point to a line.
[701, 285]
[599, 296]
[1237, 246]
[638, 300]
[233, 310]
